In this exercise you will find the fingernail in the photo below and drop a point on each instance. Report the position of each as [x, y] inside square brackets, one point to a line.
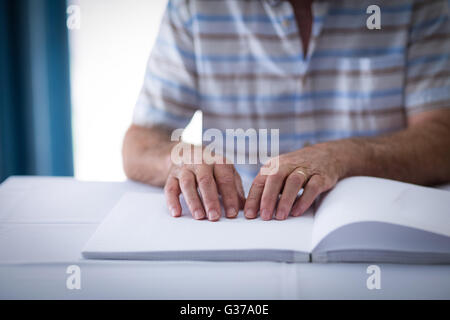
[266, 215]
[249, 213]
[280, 216]
[231, 213]
[198, 214]
[213, 215]
[172, 212]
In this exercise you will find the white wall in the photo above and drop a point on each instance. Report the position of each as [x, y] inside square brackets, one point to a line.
[108, 57]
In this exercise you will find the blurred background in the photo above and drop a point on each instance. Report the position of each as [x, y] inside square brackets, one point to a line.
[70, 74]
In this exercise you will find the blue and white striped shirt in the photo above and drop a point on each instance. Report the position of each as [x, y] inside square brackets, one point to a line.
[241, 63]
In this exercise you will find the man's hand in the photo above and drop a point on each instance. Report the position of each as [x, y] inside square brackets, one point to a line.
[211, 181]
[315, 168]
[419, 154]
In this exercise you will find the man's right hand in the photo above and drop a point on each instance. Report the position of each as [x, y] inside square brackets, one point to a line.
[201, 185]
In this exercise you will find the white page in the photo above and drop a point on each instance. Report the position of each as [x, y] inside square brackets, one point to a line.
[141, 223]
[361, 199]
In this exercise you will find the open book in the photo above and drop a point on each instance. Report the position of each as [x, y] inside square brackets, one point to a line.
[361, 220]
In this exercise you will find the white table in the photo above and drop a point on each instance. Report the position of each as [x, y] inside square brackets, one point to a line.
[44, 223]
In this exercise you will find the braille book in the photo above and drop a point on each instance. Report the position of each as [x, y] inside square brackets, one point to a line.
[362, 219]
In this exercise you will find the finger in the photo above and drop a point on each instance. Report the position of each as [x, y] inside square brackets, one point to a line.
[172, 191]
[208, 190]
[224, 176]
[254, 197]
[292, 186]
[240, 189]
[312, 190]
[269, 198]
[189, 189]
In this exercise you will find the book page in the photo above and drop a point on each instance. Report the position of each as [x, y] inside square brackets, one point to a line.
[364, 199]
[141, 223]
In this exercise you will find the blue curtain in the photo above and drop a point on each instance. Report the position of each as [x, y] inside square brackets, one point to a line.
[35, 115]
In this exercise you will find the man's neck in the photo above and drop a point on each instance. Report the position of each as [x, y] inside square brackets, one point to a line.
[303, 15]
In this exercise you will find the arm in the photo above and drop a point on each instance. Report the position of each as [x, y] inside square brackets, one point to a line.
[146, 154]
[147, 158]
[419, 154]
[169, 99]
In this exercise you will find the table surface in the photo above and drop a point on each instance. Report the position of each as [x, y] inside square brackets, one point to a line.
[45, 222]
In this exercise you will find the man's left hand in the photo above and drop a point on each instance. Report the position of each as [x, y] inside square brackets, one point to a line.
[316, 169]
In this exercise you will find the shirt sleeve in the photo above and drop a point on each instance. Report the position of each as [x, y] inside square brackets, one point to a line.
[428, 62]
[169, 95]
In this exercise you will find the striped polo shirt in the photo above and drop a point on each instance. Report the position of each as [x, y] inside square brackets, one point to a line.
[242, 64]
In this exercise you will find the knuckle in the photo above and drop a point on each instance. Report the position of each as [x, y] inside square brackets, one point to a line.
[210, 196]
[252, 198]
[184, 172]
[192, 201]
[259, 182]
[231, 200]
[184, 167]
[268, 202]
[284, 207]
[225, 178]
[171, 188]
[174, 172]
[276, 176]
[205, 179]
[186, 182]
[230, 197]
[316, 185]
[202, 169]
[296, 179]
